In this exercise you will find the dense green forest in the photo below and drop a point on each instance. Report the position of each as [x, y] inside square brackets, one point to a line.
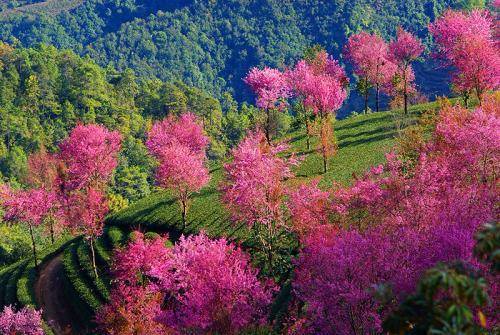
[45, 92]
[212, 44]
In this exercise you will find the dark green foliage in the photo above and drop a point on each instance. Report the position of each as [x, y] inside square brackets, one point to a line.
[448, 301]
[10, 294]
[488, 245]
[5, 275]
[44, 93]
[212, 44]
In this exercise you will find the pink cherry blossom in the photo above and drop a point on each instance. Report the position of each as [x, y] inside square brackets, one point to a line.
[90, 154]
[369, 54]
[23, 322]
[184, 130]
[269, 85]
[254, 189]
[467, 41]
[179, 146]
[210, 287]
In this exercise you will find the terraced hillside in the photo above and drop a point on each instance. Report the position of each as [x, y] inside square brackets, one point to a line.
[363, 140]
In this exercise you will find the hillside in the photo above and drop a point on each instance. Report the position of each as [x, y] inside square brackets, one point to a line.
[363, 141]
[212, 44]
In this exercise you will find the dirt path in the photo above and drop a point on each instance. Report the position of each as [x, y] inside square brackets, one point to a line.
[49, 291]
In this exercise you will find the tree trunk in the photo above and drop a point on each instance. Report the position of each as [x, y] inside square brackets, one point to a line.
[307, 134]
[377, 98]
[366, 101]
[184, 214]
[324, 144]
[33, 245]
[405, 96]
[268, 126]
[93, 257]
[52, 240]
[406, 103]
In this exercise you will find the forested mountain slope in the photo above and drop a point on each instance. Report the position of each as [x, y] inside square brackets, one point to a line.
[212, 44]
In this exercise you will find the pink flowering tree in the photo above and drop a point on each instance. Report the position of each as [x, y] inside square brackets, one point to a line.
[44, 172]
[403, 51]
[135, 303]
[31, 207]
[86, 211]
[271, 88]
[254, 189]
[179, 145]
[467, 42]
[90, 155]
[26, 321]
[309, 208]
[185, 130]
[369, 54]
[210, 287]
[198, 286]
[321, 84]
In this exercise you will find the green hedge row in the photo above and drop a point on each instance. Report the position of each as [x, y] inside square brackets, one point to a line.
[103, 256]
[10, 296]
[115, 236]
[81, 292]
[5, 275]
[100, 285]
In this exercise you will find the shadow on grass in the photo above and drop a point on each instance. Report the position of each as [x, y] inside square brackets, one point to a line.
[297, 138]
[372, 139]
[376, 131]
[381, 118]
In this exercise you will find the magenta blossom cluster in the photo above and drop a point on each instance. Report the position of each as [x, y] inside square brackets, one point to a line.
[183, 131]
[90, 155]
[210, 287]
[320, 83]
[179, 144]
[26, 321]
[32, 206]
[254, 187]
[391, 226]
[198, 286]
[269, 85]
[468, 42]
